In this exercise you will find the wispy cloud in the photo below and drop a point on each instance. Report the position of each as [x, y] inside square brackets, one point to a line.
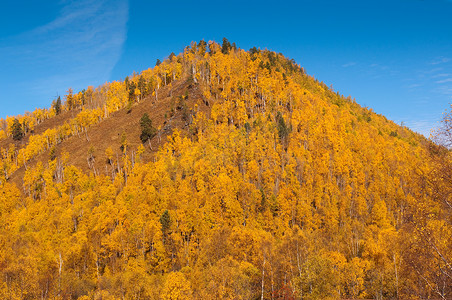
[423, 127]
[431, 89]
[413, 86]
[79, 48]
[440, 60]
[434, 70]
[445, 90]
[379, 66]
[444, 80]
[378, 71]
[349, 64]
[442, 74]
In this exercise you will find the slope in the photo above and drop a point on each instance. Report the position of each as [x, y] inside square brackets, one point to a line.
[263, 183]
[88, 149]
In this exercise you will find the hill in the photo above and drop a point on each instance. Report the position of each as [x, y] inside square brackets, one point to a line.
[251, 180]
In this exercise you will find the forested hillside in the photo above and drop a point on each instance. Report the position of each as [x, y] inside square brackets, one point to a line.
[221, 173]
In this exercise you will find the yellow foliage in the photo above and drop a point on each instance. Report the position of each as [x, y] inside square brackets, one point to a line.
[176, 287]
[278, 188]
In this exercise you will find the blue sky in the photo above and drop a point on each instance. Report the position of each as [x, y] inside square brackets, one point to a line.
[393, 56]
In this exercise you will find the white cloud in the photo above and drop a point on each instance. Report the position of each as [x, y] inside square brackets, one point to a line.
[444, 80]
[440, 60]
[442, 74]
[444, 90]
[79, 48]
[379, 67]
[423, 126]
[349, 64]
[413, 86]
[434, 70]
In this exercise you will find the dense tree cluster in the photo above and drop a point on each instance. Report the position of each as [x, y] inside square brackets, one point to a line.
[282, 189]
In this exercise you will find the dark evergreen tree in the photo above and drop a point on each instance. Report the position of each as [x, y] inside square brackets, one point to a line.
[82, 98]
[253, 52]
[17, 131]
[165, 220]
[226, 46]
[132, 88]
[126, 81]
[283, 129]
[57, 106]
[52, 154]
[158, 62]
[142, 86]
[147, 130]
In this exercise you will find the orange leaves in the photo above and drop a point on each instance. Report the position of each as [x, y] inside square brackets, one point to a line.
[116, 96]
[176, 287]
[86, 117]
[278, 188]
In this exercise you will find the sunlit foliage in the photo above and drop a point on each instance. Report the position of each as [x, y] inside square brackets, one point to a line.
[283, 189]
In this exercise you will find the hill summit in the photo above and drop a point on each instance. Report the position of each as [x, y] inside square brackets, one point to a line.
[221, 174]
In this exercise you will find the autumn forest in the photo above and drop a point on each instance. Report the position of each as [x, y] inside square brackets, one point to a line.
[222, 173]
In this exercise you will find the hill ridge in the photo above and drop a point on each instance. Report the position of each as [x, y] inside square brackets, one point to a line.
[258, 181]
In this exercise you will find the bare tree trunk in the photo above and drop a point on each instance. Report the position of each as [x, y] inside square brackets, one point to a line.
[262, 282]
[60, 268]
[396, 276]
